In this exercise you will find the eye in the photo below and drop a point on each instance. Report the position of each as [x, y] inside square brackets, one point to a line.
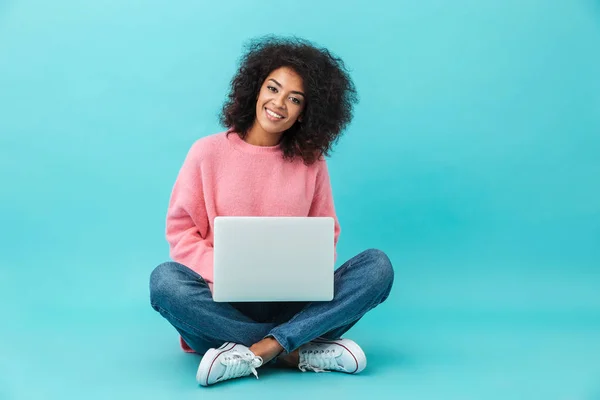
[272, 89]
[295, 100]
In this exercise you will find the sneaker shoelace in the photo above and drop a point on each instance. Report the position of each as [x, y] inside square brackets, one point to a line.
[240, 364]
[319, 361]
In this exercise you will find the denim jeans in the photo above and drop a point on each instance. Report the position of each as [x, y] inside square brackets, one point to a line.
[182, 297]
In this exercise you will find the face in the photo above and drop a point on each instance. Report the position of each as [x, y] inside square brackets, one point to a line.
[280, 101]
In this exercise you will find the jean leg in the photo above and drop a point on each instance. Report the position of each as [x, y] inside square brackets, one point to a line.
[184, 299]
[361, 284]
[338, 332]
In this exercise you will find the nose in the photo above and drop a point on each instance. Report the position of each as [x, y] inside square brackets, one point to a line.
[279, 101]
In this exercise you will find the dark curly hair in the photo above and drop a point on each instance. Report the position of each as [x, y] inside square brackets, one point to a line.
[330, 94]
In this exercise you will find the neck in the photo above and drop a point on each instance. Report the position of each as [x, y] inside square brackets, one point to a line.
[258, 137]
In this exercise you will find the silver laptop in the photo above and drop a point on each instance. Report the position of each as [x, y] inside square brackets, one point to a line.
[273, 259]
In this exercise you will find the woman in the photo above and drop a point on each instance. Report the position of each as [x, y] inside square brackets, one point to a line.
[289, 102]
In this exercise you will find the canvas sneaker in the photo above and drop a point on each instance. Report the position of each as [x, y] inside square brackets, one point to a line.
[342, 355]
[229, 361]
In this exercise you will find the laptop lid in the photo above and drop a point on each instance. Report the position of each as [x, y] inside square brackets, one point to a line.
[273, 259]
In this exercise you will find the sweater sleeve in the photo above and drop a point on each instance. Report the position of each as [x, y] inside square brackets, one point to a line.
[187, 220]
[323, 204]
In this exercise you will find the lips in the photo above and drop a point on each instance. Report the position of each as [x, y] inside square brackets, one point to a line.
[273, 116]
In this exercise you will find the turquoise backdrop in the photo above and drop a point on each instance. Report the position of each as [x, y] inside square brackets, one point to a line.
[473, 161]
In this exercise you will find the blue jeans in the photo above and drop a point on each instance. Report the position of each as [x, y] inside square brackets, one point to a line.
[182, 297]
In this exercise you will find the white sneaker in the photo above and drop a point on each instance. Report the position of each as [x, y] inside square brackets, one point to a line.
[342, 355]
[227, 362]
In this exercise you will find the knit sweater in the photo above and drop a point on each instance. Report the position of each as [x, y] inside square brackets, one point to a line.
[223, 175]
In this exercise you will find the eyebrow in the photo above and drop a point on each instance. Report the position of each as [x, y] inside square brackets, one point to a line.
[293, 91]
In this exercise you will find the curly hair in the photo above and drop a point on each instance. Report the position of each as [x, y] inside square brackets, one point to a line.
[330, 94]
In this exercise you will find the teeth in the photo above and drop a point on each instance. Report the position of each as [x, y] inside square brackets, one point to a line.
[272, 114]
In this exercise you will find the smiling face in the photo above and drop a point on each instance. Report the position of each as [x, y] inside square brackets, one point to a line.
[280, 102]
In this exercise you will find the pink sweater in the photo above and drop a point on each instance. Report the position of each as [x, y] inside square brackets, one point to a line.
[226, 176]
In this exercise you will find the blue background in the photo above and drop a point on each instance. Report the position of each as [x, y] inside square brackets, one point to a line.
[473, 161]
